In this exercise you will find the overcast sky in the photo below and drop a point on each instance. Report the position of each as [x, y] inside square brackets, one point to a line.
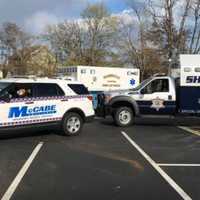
[35, 14]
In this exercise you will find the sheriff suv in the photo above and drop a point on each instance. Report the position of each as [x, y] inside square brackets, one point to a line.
[44, 103]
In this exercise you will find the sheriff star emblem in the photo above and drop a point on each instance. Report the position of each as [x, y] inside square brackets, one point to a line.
[157, 103]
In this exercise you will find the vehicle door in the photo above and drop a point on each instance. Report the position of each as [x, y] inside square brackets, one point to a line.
[48, 102]
[14, 105]
[157, 97]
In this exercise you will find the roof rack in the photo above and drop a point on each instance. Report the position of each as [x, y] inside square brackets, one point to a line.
[159, 74]
[28, 77]
[24, 77]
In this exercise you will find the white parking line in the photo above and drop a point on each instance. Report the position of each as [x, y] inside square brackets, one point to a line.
[189, 130]
[173, 184]
[21, 173]
[178, 165]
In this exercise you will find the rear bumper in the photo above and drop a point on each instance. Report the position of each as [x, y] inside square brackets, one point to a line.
[104, 111]
[89, 119]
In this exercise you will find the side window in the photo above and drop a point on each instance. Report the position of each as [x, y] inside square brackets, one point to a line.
[158, 85]
[20, 90]
[79, 89]
[47, 90]
[92, 71]
[83, 71]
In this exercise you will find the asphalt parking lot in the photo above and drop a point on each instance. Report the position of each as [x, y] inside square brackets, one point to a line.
[147, 161]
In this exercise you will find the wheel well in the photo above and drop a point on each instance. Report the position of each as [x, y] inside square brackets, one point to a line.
[78, 111]
[123, 104]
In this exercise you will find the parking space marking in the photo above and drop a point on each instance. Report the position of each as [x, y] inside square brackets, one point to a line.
[189, 130]
[10, 191]
[173, 184]
[177, 165]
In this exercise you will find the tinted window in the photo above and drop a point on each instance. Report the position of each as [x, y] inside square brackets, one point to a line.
[47, 90]
[197, 69]
[83, 71]
[92, 71]
[141, 85]
[3, 85]
[158, 85]
[187, 69]
[79, 89]
[19, 90]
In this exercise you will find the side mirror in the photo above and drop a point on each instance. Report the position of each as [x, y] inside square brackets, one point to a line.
[5, 97]
[142, 91]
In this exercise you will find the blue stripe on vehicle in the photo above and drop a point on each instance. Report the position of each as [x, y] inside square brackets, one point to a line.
[29, 122]
[145, 107]
[45, 98]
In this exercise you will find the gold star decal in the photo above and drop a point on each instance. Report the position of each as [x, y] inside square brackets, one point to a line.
[158, 103]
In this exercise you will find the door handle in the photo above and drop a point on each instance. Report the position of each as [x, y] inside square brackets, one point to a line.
[30, 102]
[169, 97]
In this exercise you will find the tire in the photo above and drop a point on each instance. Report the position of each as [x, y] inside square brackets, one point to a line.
[72, 124]
[123, 116]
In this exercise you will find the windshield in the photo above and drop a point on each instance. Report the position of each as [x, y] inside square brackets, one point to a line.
[141, 85]
[3, 85]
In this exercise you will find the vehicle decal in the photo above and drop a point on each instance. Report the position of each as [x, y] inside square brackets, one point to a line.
[45, 98]
[158, 103]
[26, 111]
[132, 82]
[29, 122]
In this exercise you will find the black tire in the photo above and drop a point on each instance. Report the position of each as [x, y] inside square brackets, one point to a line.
[126, 120]
[75, 128]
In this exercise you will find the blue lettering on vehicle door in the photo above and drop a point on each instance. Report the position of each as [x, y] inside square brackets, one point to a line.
[25, 111]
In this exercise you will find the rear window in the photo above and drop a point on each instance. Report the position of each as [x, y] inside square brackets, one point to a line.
[47, 90]
[79, 89]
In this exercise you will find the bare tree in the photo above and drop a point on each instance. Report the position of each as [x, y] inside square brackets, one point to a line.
[194, 46]
[171, 26]
[87, 41]
[67, 39]
[133, 44]
[101, 30]
[13, 37]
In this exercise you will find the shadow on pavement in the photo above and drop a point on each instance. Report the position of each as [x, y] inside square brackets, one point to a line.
[179, 121]
[24, 134]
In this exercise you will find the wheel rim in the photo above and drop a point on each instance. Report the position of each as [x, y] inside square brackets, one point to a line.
[73, 125]
[124, 117]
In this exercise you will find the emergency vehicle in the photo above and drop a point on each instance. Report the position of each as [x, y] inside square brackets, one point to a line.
[158, 95]
[44, 103]
[101, 79]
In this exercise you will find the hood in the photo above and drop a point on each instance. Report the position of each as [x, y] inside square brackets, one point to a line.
[118, 92]
[109, 95]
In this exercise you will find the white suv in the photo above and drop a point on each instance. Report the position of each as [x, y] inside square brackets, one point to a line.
[44, 103]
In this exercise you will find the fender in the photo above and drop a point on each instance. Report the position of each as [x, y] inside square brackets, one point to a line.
[76, 110]
[127, 99]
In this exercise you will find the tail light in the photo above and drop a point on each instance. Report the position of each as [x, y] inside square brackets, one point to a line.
[90, 98]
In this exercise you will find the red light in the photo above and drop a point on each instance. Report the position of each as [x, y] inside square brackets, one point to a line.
[90, 98]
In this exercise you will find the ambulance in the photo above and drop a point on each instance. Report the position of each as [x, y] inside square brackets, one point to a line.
[101, 79]
[31, 103]
[156, 96]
